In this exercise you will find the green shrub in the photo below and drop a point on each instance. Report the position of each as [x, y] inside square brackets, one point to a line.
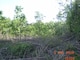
[77, 58]
[19, 49]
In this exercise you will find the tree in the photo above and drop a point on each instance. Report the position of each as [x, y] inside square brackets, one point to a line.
[39, 16]
[0, 13]
[73, 18]
[4, 23]
[1, 17]
[20, 20]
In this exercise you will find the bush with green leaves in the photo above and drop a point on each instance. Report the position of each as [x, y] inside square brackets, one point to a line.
[19, 49]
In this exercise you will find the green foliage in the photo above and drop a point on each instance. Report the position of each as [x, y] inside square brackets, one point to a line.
[18, 27]
[77, 57]
[71, 12]
[73, 18]
[19, 49]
